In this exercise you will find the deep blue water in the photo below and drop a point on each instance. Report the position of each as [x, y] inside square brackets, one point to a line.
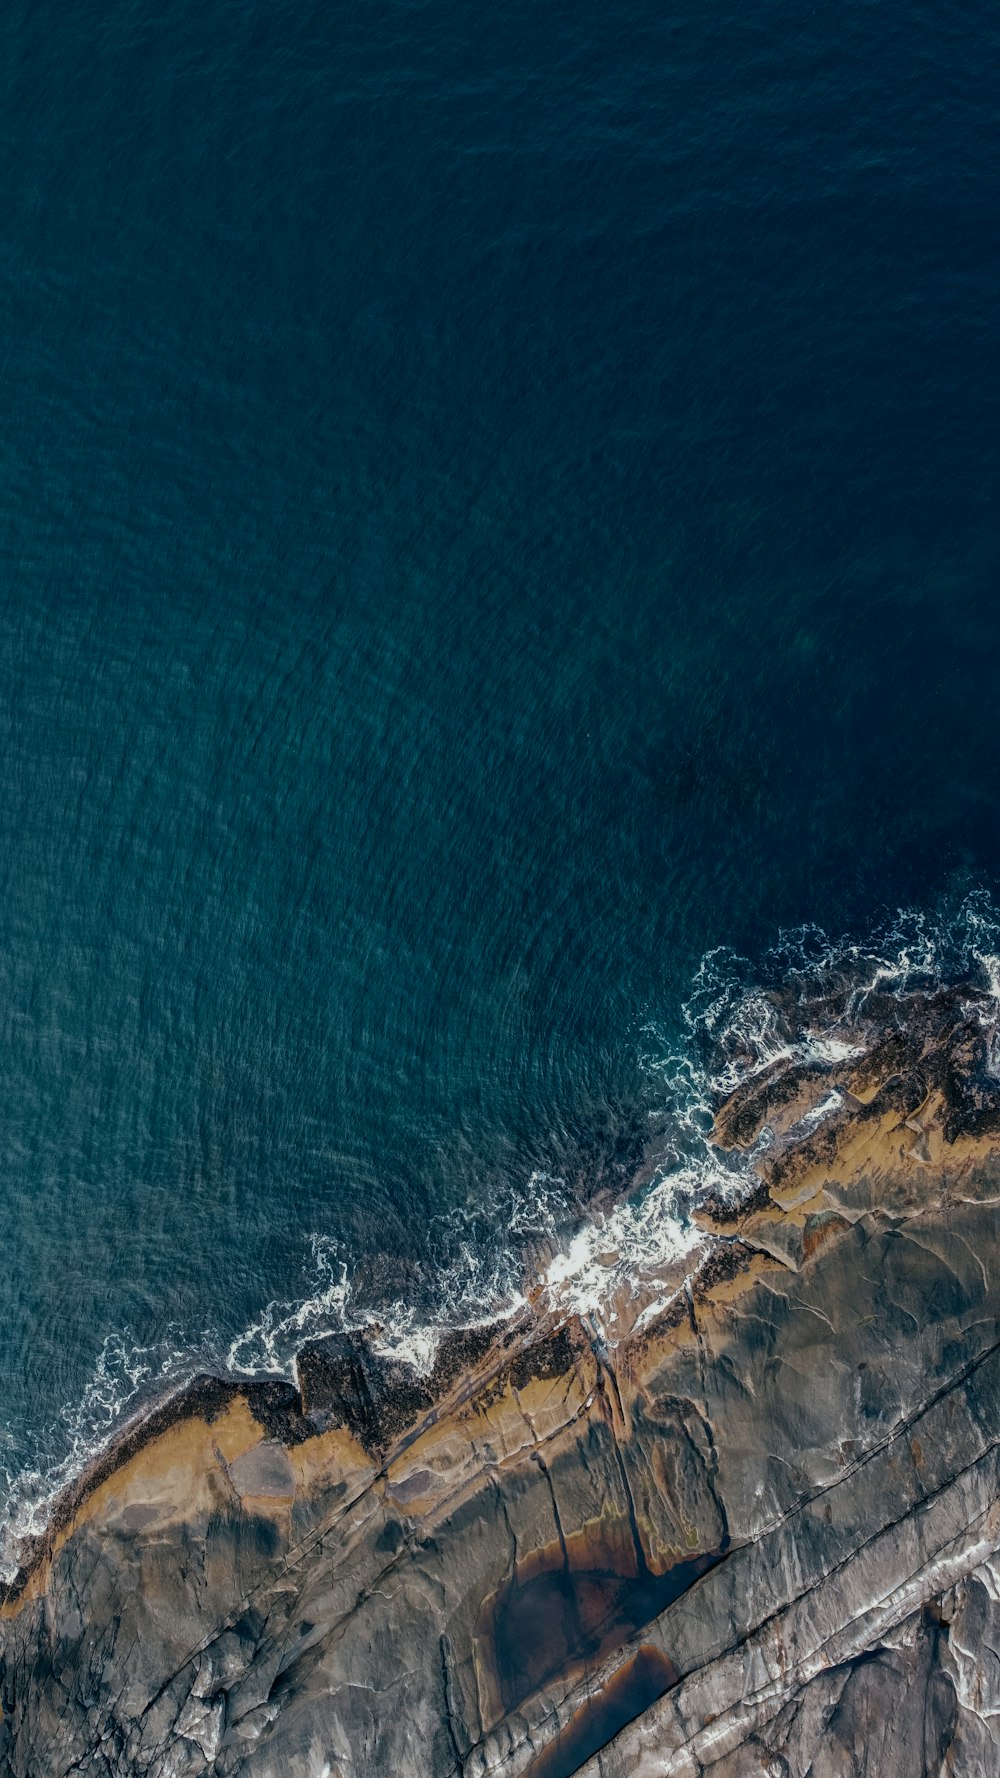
[493, 502]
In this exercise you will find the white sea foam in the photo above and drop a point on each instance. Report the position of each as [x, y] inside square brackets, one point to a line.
[125, 1372]
[818, 1114]
[734, 1031]
[731, 1010]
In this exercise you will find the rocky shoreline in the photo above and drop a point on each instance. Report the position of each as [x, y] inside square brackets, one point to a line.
[742, 1520]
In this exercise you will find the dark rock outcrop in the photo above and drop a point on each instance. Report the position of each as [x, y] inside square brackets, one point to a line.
[752, 1530]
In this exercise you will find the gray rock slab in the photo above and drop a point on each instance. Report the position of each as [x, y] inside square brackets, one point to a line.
[264, 1469]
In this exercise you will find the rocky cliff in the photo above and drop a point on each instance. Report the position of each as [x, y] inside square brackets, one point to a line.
[747, 1524]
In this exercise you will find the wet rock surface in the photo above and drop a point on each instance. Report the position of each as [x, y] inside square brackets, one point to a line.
[750, 1525]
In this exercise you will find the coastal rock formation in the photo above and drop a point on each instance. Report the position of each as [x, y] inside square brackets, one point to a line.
[745, 1522]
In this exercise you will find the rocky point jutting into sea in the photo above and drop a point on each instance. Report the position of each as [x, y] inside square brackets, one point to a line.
[742, 1519]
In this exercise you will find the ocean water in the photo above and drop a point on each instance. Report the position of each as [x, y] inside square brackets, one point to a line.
[494, 505]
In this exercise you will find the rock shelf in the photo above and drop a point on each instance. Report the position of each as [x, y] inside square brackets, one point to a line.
[757, 1531]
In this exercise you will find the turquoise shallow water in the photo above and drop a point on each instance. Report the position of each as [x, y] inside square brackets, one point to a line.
[491, 506]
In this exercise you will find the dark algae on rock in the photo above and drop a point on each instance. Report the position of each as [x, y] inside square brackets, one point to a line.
[740, 1520]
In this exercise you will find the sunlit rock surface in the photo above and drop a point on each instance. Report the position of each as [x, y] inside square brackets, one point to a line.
[758, 1533]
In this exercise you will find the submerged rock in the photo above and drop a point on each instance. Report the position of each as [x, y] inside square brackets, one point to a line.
[749, 1526]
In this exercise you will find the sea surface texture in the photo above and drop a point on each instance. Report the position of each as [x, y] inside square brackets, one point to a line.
[495, 503]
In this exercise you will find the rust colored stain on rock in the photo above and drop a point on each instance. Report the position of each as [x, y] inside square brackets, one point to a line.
[566, 1607]
[636, 1685]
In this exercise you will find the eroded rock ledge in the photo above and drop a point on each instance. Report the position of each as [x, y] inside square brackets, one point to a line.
[755, 1532]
